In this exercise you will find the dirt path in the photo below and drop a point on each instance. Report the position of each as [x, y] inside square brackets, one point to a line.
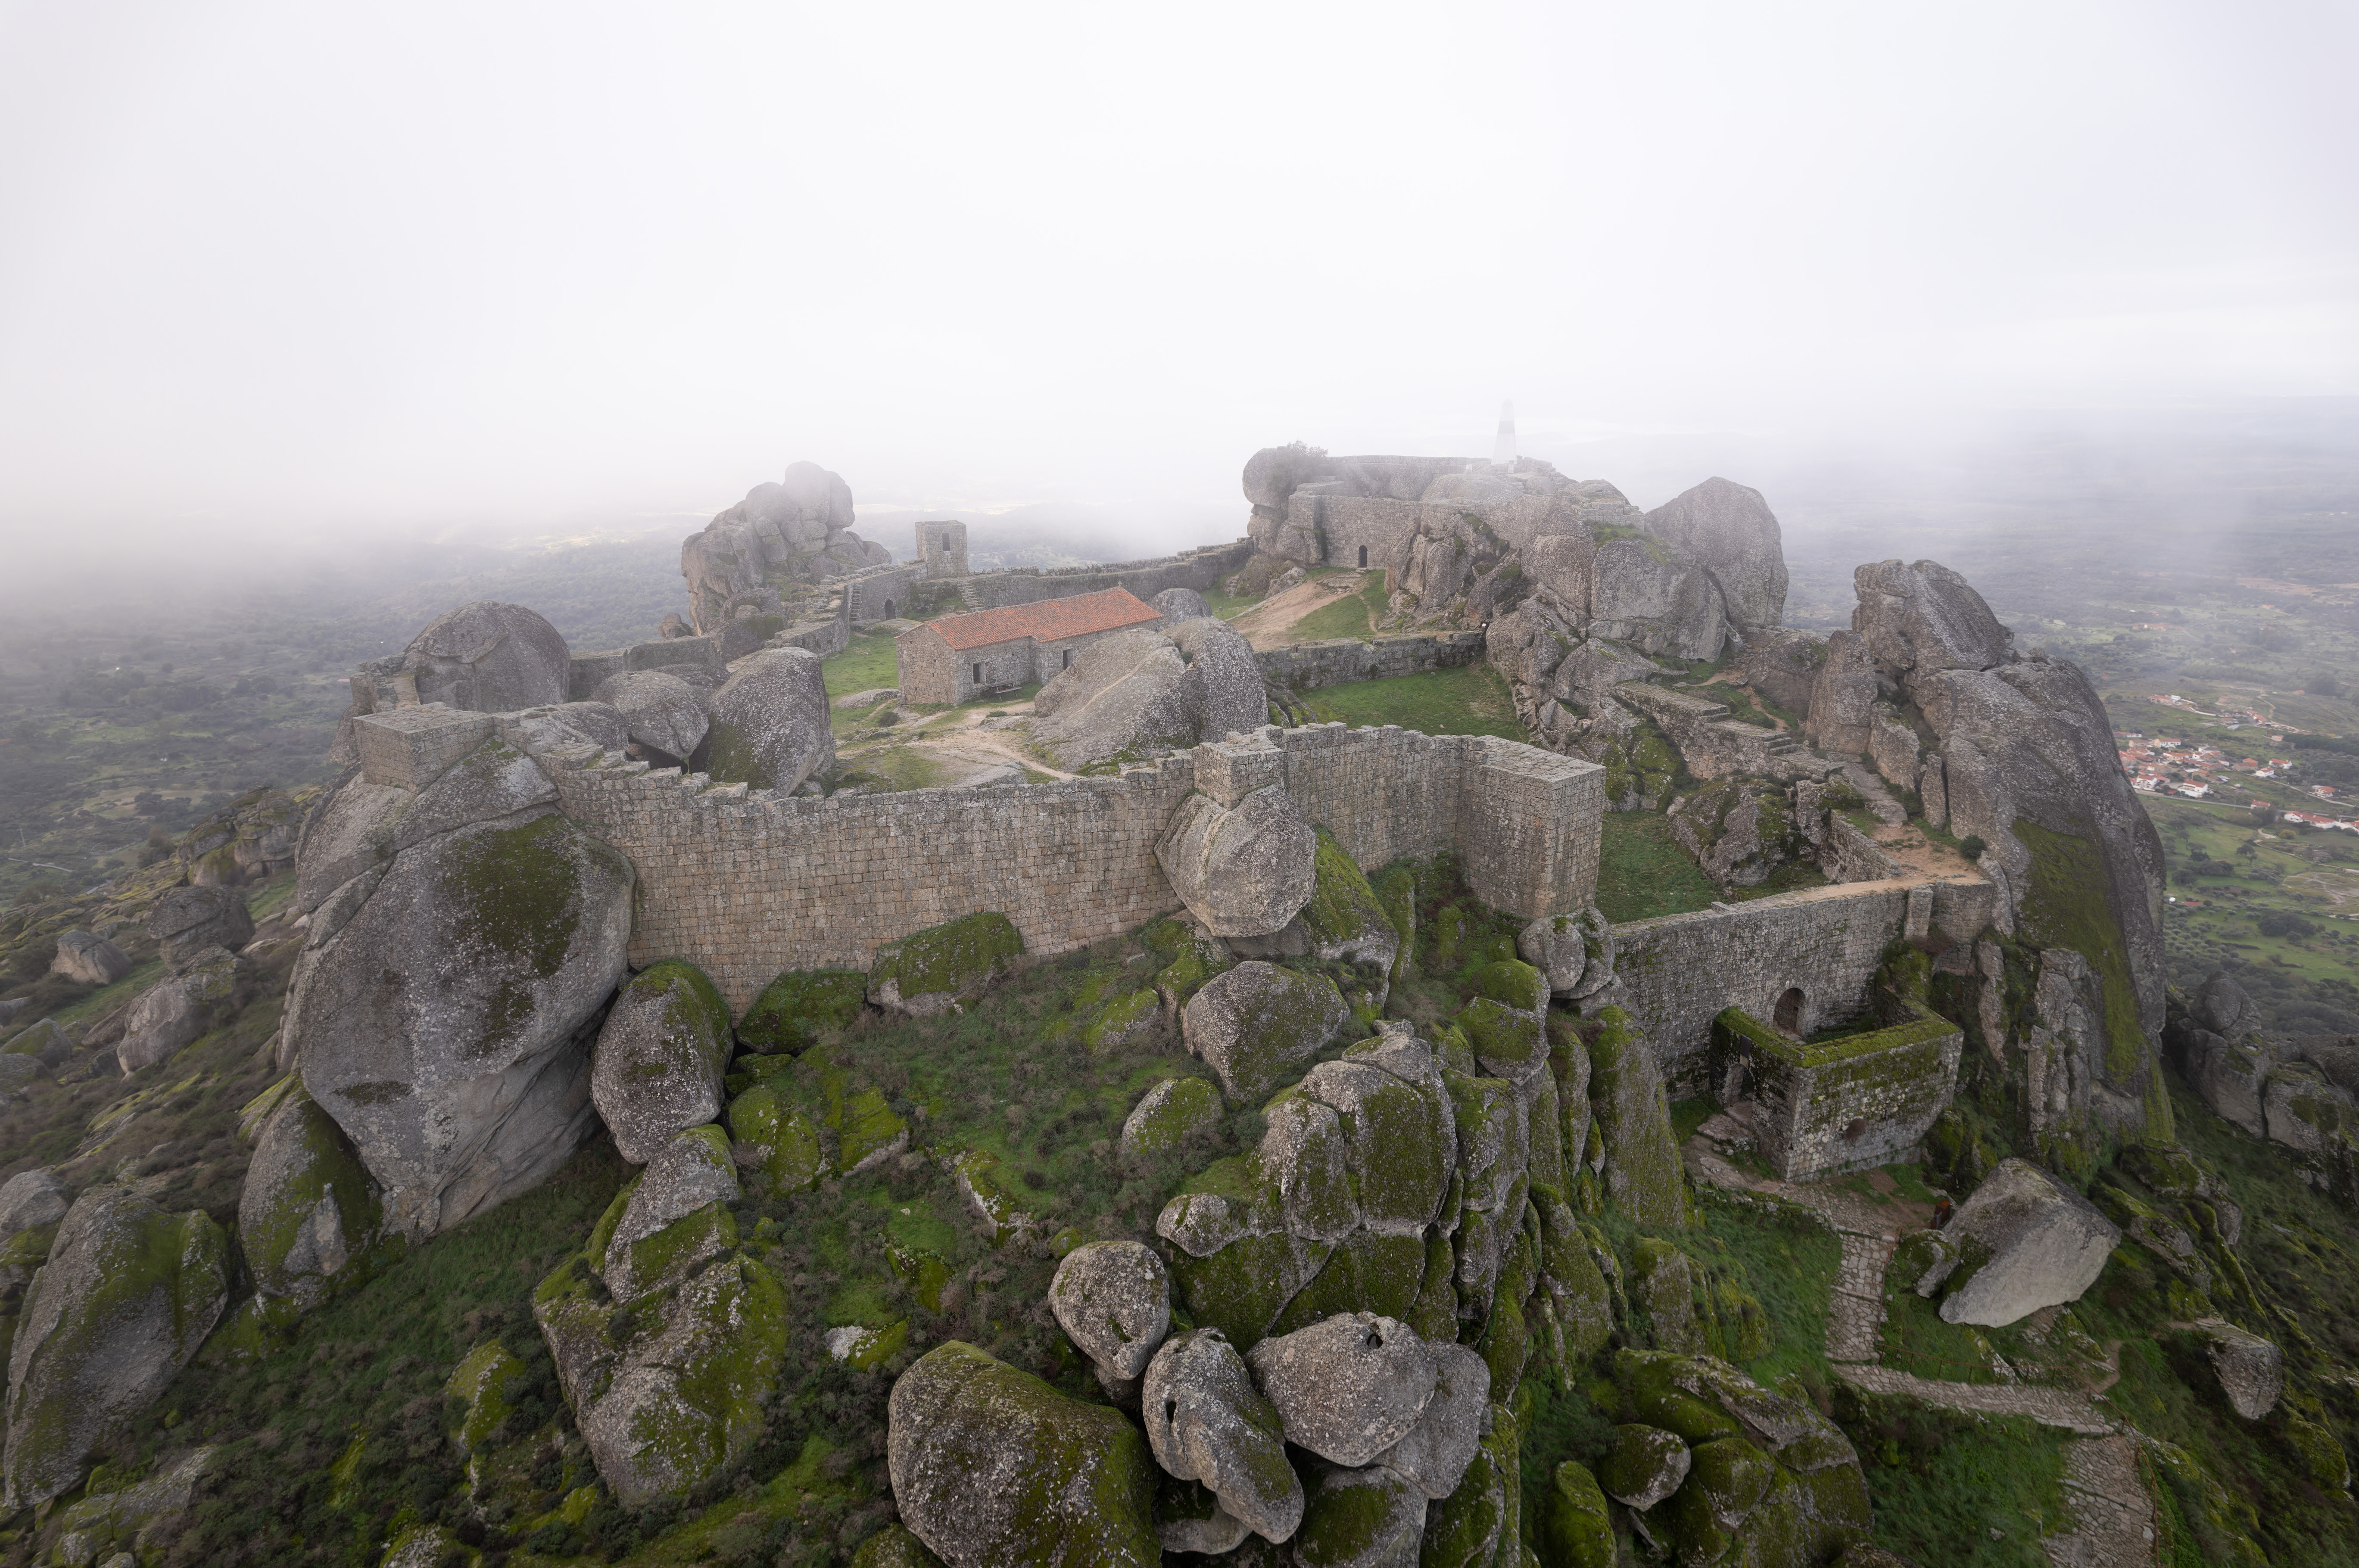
[1270, 623]
[2112, 1517]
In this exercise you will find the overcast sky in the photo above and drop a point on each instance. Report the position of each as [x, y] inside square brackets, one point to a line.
[514, 268]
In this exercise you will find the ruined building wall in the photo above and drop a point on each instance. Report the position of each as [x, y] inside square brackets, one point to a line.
[1306, 665]
[1348, 524]
[746, 886]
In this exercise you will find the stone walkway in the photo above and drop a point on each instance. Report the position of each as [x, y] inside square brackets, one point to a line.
[2112, 1522]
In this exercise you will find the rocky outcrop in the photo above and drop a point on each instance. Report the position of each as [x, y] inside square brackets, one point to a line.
[483, 658]
[660, 1058]
[673, 1214]
[1146, 690]
[442, 1022]
[1178, 604]
[1170, 1113]
[88, 960]
[2251, 1371]
[1843, 697]
[190, 921]
[991, 1465]
[31, 1199]
[1633, 1116]
[660, 713]
[1740, 831]
[770, 724]
[171, 1014]
[792, 531]
[1573, 952]
[1730, 531]
[1242, 871]
[127, 1296]
[1347, 1388]
[2025, 1240]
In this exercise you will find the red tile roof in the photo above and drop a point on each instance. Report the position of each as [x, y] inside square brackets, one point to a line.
[1047, 621]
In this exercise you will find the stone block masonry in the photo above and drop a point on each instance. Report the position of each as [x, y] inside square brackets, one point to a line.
[746, 886]
[1840, 1105]
[1308, 666]
[411, 746]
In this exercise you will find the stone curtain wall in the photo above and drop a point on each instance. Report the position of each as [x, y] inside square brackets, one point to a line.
[1308, 666]
[1683, 969]
[867, 595]
[746, 886]
[1201, 569]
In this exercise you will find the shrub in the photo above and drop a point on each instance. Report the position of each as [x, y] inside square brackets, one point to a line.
[1971, 846]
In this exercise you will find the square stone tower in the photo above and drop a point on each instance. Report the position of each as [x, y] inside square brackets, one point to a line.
[942, 547]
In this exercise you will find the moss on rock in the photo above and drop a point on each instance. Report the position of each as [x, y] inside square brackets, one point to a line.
[1576, 1530]
[1642, 1157]
[933, 970]
[793, 1010]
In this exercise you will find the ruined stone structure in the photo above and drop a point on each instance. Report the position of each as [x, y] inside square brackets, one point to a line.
[942, 548]
[745, 886]
[1306, 665]
[1845, 1104]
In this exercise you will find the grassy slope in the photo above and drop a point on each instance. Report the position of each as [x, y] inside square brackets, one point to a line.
[1643, 872]
[1471, 700]
[1350, 617]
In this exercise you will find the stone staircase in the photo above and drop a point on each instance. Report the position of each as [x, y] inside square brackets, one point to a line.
[1715, 744]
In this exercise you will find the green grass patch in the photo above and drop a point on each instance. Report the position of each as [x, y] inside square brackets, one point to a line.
[1642, 871]
[1473, 699]
[1794, 876]
[1952, 1489]
[1352, 616]
[894, 768]
[867, 664]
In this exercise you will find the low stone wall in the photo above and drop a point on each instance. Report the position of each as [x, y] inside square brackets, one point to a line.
[1850, 856]
[1201, 569]
[1308, 666]
[1715, 745]
[1839, 1104]
[747, 885]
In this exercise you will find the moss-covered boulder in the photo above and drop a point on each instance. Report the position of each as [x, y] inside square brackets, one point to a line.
[1126, 1020]
[1647, 1465]
[1206, 1423]
[777, 1137]
[1400, 1135]
[1509, 1041]
[128, 1295]
[1193, 959]
[1575, 1530]
[1345, 921]
[991, 1465]
[770, 723]
[668, 1393]
[1172, 1113]
[1481, 1523]
[794, 1009]
[660, 1058]
[1371, 1518]
[932, 971]
[309, 1219]
[1258, 1026]
[674, 1216]
[1112, 1298]
[894, 1547]
[1642, 1157]
[1662, 1285]
[442, 1023]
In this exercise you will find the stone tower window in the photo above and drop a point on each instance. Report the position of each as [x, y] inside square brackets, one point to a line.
[978, 674]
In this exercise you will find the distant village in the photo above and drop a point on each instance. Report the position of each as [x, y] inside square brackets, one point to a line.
[2194, 771]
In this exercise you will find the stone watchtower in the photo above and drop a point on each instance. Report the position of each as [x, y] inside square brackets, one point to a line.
[942, 547]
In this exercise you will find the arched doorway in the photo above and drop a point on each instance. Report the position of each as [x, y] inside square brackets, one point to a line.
[1789, 1012]
[1364, 557]
[889, 610]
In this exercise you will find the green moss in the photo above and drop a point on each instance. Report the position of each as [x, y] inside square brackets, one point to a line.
[1502, 1032]
[1193, 1107]
[328, 1169]
[1366, 1273]
[2069, 905]
[730, 757]
[520, 891]
[1122, 1021]
[1343, 909]
[665, 1257]
[1575, 1529]
[793, 1010]
[481, 1383]
[1396, 891]
[783, 1138]
[957, 958]
[1241, 1289]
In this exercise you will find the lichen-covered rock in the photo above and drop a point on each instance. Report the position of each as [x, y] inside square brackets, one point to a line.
[173, 1013]
[442, 1025]
[1575, 952]
[1739, 830]
[659, 711]
[670, 1398]
[1114, 1299]
[488, 657]
[1224, 686]
[1344, 920]
[660, 1057]
[794, 1008]
[1642, 1158]
[1647, 1465]
[1178, 604]
[2251, 1371]
[933, 970]
[1258, 1026]
[1575, 1530]
[1123, 697]
[1302, 1152]
[187, 921]
[1481, 1522]
[1443, 1442]
[1843, 697]
[1348, 1388]
[1207, 1423]
[776, 1139]
[674, 1216]
[128, 1295]
[2024, 1241]
[1169, 1114]
[576, 727]
[991, 1465]
[30, 1199]
[1663, 1286]
[1242, 871]
[770, 724]
[894, 1547]
[1122, 1023]
[1925, 617]
[349, 832]
[88, 960]
[1371, 1518]
[309, 1219]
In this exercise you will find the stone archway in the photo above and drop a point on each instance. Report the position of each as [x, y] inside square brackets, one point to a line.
[1789, 1012]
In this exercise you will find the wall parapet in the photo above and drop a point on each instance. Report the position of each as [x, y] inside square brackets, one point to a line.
[746, 884]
